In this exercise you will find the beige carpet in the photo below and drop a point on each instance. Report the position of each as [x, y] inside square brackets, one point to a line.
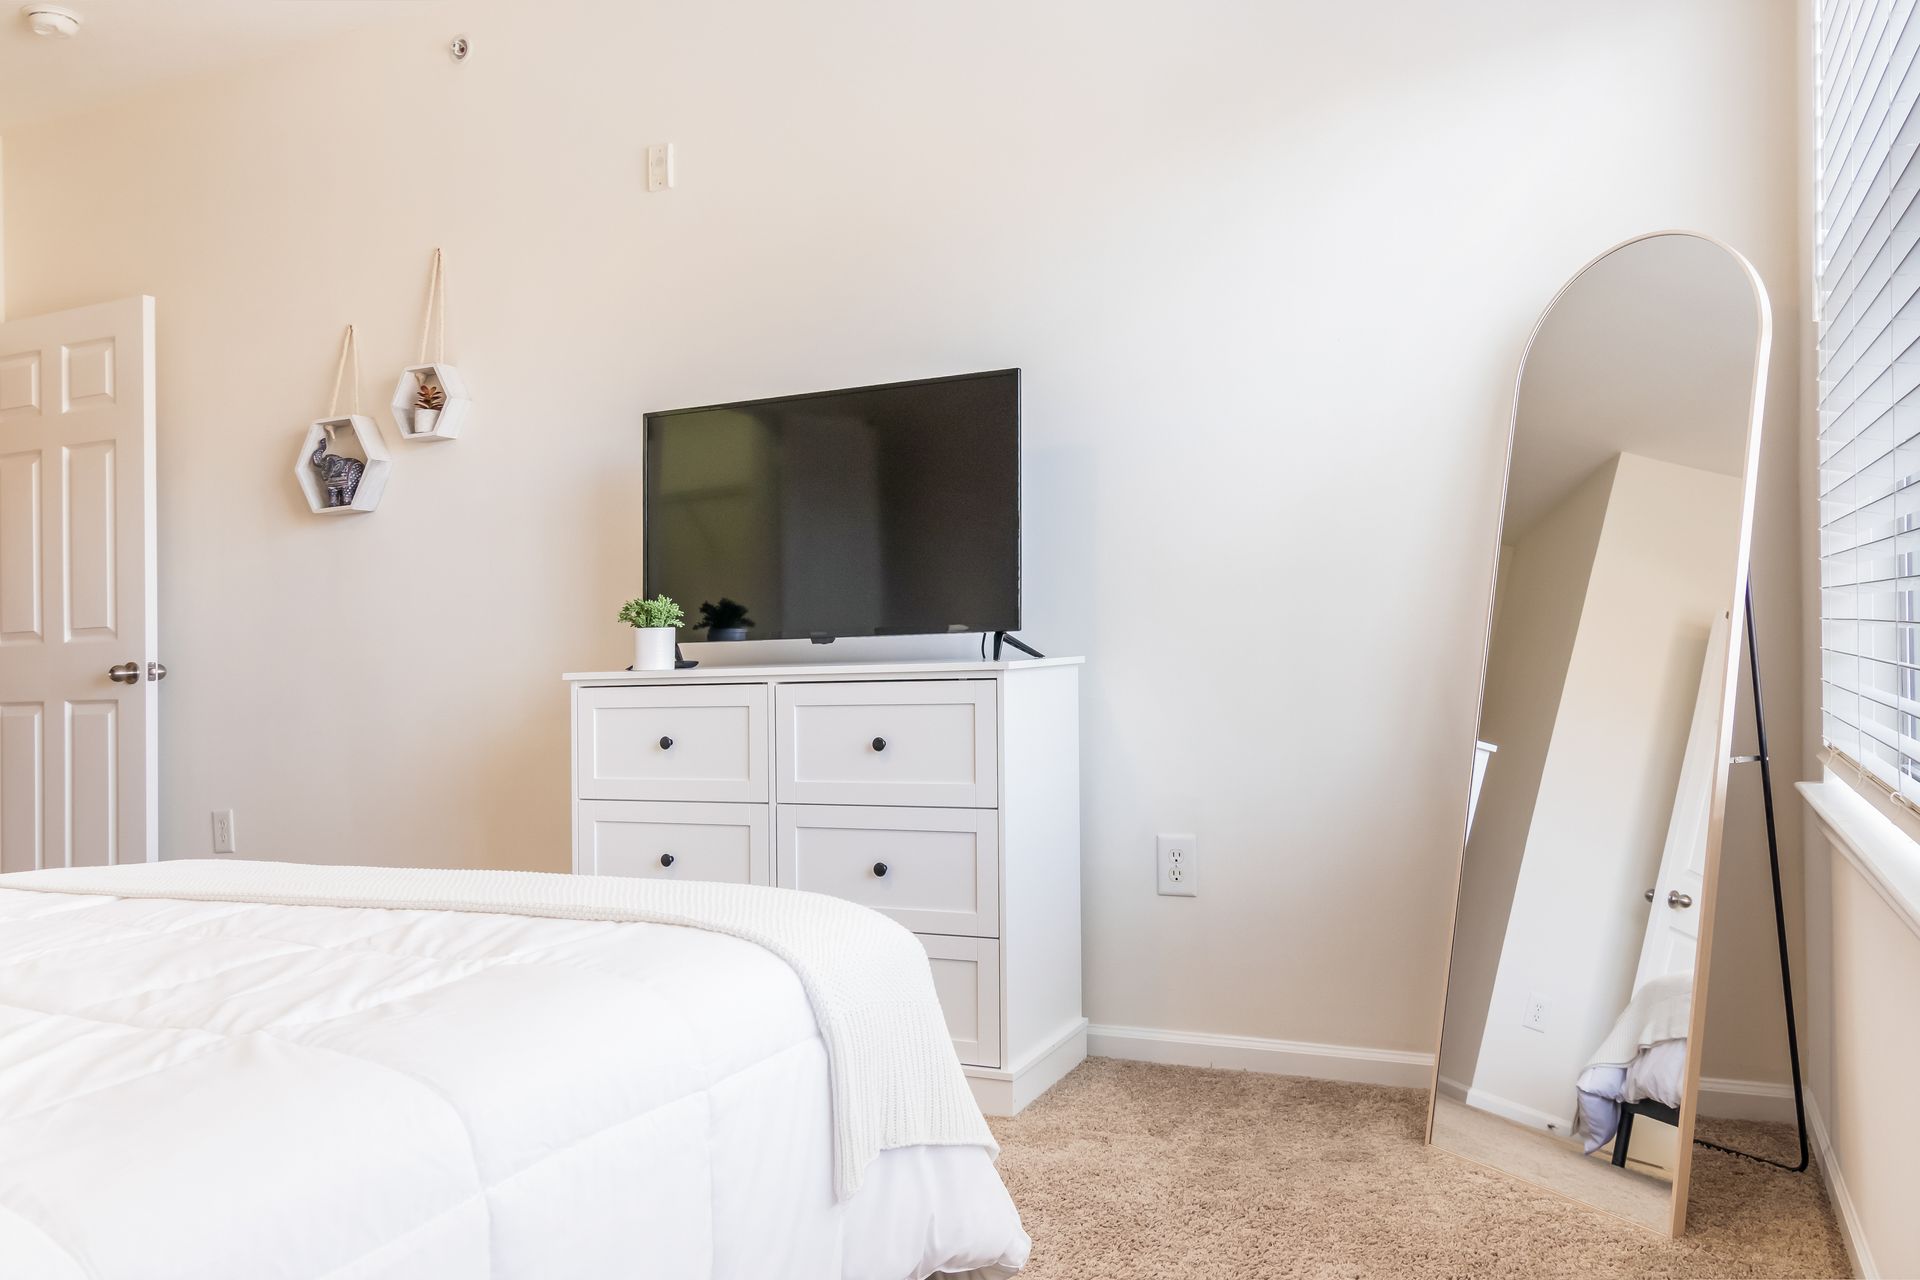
[1128, 1170]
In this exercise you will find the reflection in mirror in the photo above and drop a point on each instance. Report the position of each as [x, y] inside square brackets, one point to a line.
[1587, 878]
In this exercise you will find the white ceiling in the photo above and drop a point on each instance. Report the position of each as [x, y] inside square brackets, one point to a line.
[1650, 352]
[125, 46]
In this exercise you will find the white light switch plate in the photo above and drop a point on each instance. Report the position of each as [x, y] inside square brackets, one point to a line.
[223, 841]
[660, 166]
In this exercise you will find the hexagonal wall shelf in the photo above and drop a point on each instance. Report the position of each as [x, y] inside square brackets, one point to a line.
[453, 412]
[353, 436]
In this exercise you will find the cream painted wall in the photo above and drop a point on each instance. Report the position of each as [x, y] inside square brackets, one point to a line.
[1546, 568]
[1660, 576]
[1870, 1066]
[3, 228]
[1862, 1042]
[1267, 266]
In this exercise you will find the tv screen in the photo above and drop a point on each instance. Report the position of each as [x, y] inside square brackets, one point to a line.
[891, 510]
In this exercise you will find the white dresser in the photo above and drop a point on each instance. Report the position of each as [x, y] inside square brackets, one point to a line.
[945, 794]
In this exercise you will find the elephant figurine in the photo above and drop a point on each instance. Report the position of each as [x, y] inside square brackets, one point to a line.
[339, 476]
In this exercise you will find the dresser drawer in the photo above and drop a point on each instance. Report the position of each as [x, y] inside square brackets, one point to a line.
[966, 977]
[701, 742]
[901, 742]
[933, 870]
[725, 842]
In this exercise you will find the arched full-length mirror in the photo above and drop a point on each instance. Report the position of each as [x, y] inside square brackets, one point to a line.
[1576, 986]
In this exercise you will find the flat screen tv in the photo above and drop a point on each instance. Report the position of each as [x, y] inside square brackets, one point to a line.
[877, 511]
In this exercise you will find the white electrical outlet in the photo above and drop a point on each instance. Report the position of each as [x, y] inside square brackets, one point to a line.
[1177, 862]
[659, 166]
[1535, 1018]
[223, 831]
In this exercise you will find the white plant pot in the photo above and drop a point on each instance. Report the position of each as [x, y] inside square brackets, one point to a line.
[653, 648]
[423, 420]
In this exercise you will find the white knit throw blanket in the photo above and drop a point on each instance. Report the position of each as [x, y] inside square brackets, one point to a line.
[896, 1080]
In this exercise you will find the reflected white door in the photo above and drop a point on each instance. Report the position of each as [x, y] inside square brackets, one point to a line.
[78, 764]
[1673, 917]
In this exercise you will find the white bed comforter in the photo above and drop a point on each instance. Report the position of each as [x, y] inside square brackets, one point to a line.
[1644, 1056]
[208, 1089]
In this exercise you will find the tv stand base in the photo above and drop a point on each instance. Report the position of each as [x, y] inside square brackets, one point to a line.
[1002, 637]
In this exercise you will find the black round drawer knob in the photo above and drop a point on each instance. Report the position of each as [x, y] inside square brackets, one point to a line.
[879, 744]
[666, 744]
[666, 859]
[879, 868]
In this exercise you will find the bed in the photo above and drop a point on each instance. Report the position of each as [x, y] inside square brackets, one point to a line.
[1640, 1068]
[259, 1070]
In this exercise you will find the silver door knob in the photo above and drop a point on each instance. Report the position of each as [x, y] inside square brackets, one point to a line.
[156, 671]
[1649, 895]
[1678, 900]
[124, 673]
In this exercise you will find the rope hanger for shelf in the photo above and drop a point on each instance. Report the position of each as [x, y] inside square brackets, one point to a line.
[348, 346]
[436, 293]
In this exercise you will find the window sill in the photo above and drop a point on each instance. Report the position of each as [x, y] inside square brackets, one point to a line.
[1887, 856]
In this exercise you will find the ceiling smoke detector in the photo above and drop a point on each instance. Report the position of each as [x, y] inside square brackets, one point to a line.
[55, 21]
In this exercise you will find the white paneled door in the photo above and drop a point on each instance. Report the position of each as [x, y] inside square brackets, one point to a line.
[1672, 941]
[79, 637]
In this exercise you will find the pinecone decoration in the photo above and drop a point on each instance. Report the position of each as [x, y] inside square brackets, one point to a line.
[430, 396]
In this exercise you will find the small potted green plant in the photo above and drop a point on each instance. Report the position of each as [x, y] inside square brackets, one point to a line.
[654, 622]
[727, 620]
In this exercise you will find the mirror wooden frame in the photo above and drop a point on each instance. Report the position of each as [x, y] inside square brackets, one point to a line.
[1724, 734]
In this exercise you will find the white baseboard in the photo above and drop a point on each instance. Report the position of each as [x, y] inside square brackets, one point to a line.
[1851, 1229]
[1721, 1097]
[1007, 1092]
[1274, 1057]
[1746, 1099]
[1733, 1099]
[1520, 1114]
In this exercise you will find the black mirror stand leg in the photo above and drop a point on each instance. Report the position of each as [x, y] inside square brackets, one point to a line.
[1779, 909]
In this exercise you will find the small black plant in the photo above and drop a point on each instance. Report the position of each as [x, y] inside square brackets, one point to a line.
[727, 620]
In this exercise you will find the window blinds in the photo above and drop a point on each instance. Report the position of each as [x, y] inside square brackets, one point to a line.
[1868, 295]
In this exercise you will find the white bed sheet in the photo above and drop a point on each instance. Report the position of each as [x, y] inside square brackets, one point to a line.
[1644, 1056]
[208, 1090]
